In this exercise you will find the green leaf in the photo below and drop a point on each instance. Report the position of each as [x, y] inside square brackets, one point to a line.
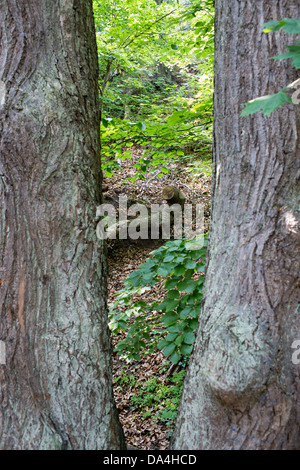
[186, 349]
[169, 319]
[105, 122]
[187, 285]
[169, 258]
[189, 273]
[185, 312]
[195, 244]
[169, 349]
[163, 343]
[122, 325]
[175, 328]
[164, 169]
[273, 26]
[200, 268]
[289, 25]
[179, 340]
[189, 338]
[294, 53]
[171, 283]
[179, 270]
[162, 272]
[136, 356]
[267, 104]
[175, 357]
[190, 264]
[170, 304]
[173, 294]
[170, 337]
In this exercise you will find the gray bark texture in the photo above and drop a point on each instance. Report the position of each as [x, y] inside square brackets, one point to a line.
[55, 381]
[242, 389]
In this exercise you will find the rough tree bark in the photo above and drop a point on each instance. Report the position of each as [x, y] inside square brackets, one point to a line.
[242, 388]
[56, 388]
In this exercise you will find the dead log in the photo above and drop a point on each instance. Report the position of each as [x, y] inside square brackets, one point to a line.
[151, 226]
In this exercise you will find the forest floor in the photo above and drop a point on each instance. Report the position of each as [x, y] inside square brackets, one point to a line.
[145, 430]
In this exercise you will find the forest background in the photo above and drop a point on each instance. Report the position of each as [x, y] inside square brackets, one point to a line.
[156, 99]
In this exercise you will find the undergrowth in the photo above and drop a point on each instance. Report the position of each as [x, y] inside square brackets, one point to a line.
[179, 265]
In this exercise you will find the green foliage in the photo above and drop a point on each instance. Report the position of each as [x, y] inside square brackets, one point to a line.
[289, 25]
[123, 378]
[155, 83]
[294, 53]
[162, 139]
[158, 395]
[201, 15]
[199, 165]
[179, 266]
[270, 103]
[267, 104]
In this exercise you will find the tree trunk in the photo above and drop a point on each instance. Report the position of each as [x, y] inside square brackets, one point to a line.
[55, 375]
[242, 388]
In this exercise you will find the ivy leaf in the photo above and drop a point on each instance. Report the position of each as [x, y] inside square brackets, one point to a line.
[170, 304]
[163, 272]
[187, 285]
[186, 349]
[169, 319]
[169, 258]
[273, 26]
[163, 343]
[174, 358]
[190, 264]
[179, 270]
[171, 283]
[294, 53]
[175, 328]
[170, 337]
[164, 169]
[173, 294]
[169, 349]
[179, 340]
[189, 338]
[267, 104]
[200, 268]
[185, 312]
[289, 25]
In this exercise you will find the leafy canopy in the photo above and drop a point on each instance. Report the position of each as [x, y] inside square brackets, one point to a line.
[155, 80]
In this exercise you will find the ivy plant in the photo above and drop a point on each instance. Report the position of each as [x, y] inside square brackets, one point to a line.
[179, 265]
